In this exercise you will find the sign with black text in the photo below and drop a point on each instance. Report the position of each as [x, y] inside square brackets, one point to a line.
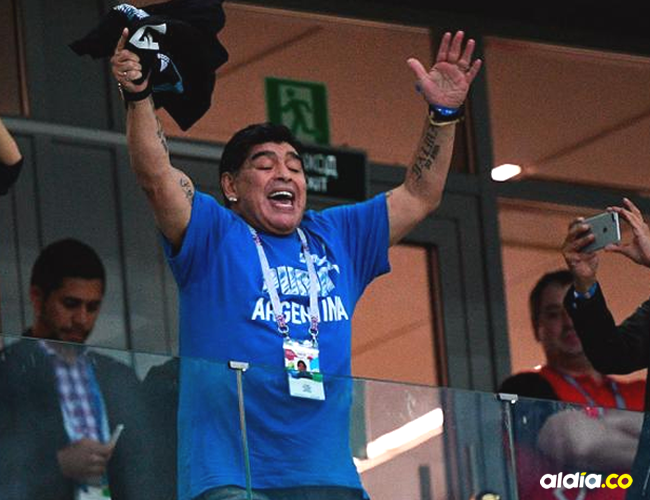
[336, 173]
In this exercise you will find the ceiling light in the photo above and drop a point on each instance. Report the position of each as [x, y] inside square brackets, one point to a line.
[505, 172]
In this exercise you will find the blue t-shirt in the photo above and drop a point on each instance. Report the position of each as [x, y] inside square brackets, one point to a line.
[225, 314]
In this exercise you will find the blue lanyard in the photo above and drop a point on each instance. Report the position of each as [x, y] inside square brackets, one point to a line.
[620, 402]
[99, 409]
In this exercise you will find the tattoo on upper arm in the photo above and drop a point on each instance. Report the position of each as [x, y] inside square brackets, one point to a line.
[186, 186]
[161, 135]
[428, 153]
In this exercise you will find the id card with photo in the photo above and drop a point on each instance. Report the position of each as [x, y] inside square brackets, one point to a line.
[303, 370]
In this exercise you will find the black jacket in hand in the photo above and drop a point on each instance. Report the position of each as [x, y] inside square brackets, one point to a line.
[177, 42]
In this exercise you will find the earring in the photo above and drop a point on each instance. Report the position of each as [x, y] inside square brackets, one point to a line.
[232, 199]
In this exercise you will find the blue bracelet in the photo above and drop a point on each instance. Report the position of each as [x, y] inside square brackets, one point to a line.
[444, 111]
[588, 294]
[440, 116]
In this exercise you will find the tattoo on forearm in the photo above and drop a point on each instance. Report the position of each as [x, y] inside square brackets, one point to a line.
[161, 135]
[186, 186]
[427, 155]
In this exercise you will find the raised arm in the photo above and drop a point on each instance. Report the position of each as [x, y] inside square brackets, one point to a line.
[444, 86]
[9, 152]
[170, 191]
[610, 348]
[9, 160]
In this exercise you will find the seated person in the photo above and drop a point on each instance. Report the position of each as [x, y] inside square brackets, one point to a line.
[59, 402]
[554, 438]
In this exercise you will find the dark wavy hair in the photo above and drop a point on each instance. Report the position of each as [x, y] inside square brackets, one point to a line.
[68, 258]
[238, 147]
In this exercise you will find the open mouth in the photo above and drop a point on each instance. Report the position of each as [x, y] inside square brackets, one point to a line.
[282, 199]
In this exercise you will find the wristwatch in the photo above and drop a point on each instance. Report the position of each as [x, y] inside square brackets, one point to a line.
[440, 115]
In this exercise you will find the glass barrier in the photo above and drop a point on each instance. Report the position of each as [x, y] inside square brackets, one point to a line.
[406, 441]
[78, 423]
[568, 451]
[62, 407]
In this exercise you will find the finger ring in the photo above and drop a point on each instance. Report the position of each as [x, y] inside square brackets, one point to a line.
[124, 73]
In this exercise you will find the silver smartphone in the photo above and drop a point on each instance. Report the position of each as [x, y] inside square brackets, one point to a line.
[606, 229]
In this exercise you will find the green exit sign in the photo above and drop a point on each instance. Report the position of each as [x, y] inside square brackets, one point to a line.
[301, 106]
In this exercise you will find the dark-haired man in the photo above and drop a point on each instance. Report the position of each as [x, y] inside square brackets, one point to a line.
[267, 283]
[568, 375]
[60, 403]
[554, 437]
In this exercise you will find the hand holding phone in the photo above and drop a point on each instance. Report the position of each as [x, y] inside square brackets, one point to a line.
[638, 248]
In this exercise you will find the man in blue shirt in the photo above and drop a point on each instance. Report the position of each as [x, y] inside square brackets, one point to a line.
[264, 281]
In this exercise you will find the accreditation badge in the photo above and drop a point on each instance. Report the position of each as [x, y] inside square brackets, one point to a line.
[303, 369]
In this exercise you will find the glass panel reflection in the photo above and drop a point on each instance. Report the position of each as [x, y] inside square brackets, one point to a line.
[61, 408]
[404, 441]
[570, 451]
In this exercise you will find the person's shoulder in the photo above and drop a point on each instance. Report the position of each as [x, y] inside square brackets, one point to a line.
[637, 388]
[109, 364]
[22, 363]
[207, 209]
[19, 349]
[521, 378]
[636, 383]
[334, 214]
[168, 371]
[203, 200]
[528, 384]
[321, 222]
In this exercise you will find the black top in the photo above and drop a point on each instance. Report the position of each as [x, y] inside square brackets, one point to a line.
[9, 175]
[529, 385]
[182, 59]
[611, 349]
